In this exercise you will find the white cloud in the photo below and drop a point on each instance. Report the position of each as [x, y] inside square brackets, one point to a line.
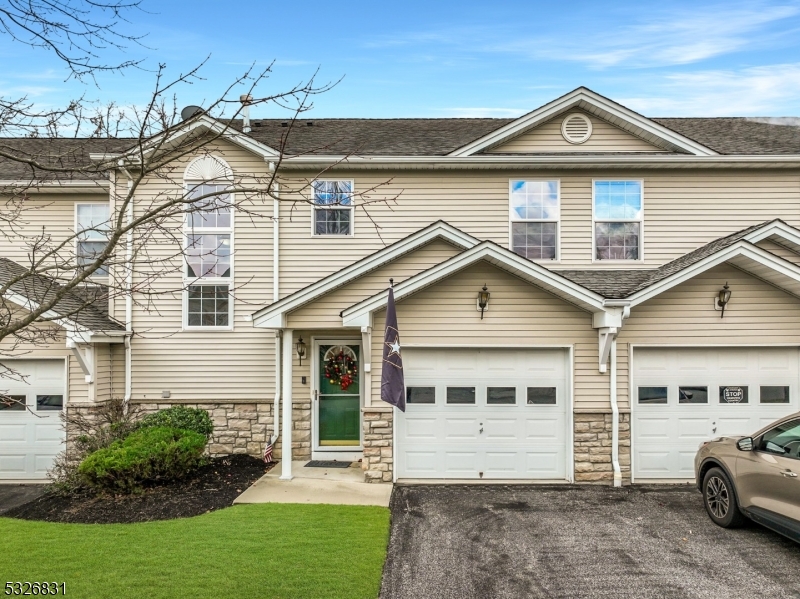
[672, 38]
[755, 91]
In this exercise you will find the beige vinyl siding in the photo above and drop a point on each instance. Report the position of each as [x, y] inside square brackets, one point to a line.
[519, 314]
[682, 211]
[206, 365]
[758, 314]
[324, 312]
[780, 250]
[547, 138]
[51, 214]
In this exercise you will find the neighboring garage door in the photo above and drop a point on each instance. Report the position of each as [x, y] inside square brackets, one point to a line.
[31, 435]
[684, 396]
[483, 413]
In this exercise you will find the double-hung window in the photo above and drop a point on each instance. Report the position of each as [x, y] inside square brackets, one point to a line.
[333, 207]
[618, 220]
[534, 215]
[92, 226]
[208, 258]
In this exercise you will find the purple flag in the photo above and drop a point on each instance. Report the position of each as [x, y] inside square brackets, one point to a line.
[393, 387]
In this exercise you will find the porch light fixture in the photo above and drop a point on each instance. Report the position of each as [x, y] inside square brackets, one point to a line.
[301, 350]
[483, 299]
[723, 299]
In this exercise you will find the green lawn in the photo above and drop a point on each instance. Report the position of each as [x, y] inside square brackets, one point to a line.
[259, 551]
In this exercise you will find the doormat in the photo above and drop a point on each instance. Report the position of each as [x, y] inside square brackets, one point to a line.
[327, 464]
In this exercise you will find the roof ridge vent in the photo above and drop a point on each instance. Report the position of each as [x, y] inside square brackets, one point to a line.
[576, 128]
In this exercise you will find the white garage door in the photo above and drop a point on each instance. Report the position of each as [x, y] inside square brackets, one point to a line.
[684, 396]
[31, 435]
[483, 413]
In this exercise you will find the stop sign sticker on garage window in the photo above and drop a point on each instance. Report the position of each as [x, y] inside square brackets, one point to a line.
[733, 394]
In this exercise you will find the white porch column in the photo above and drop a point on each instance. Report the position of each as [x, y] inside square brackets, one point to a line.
[286, 433]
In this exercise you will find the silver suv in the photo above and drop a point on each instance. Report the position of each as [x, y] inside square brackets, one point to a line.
[755, 476]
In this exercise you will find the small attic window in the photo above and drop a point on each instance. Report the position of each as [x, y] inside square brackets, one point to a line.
[576, 128]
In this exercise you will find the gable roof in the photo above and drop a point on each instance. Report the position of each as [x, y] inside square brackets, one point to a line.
[80, 308]
[625, 284]
[740, 135]
[551, 281]
[600, 106]
[274, 315]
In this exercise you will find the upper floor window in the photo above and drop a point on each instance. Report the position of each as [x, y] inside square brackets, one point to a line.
[333, 207]
[618, 218]
[209, 257]
[535, 210]
[92, 226]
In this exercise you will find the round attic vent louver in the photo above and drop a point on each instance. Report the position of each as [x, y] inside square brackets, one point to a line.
[576, 128]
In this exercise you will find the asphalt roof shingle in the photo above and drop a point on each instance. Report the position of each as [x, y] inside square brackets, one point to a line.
[86, 306]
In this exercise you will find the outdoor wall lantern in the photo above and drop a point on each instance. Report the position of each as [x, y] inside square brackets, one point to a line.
[483, 300]
[723, 299]
[301, 350]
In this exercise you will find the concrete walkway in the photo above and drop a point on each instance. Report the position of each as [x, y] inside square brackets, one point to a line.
[342, 486]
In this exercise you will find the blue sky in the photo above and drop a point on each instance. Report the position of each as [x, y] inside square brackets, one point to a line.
[463, 58]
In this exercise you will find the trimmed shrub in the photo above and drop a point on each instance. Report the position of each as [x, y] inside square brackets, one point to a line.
[147, 456]
[187, 419]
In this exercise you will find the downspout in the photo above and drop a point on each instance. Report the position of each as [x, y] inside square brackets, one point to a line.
[276, 408]
[614, 416]
[128, 292]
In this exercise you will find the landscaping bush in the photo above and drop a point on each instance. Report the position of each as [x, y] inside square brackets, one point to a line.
[181, 417]
[149, 455]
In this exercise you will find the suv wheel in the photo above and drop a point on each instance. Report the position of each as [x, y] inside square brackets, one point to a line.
[720, 499]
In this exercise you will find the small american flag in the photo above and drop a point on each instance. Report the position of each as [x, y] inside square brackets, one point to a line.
[268, 453]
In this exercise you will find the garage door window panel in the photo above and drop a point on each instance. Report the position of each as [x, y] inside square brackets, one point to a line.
[775, 394]
[49, 403]
[653, 395]
[421, 395]
[12, 403]
[542, 396]
[733, 394]
[461, 395]
[692, 395]
[500, 396]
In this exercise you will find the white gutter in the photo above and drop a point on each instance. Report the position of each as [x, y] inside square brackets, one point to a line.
[276, 408]
[128, 294]
[614, 415]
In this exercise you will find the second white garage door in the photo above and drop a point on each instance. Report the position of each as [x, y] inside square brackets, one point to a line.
[483, 414]
[684, 396]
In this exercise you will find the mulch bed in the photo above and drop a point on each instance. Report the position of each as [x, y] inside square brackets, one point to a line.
[210, 488]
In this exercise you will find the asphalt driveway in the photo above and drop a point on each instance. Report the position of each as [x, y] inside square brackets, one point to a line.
[12, 495]
[576, 542]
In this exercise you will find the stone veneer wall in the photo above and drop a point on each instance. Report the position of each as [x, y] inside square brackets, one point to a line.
[593, 447]
[378, 461]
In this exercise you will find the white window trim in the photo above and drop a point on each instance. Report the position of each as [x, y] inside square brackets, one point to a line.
[77, 229]
[352, 209]
[640, 220]
[511, 220]
[206, 281]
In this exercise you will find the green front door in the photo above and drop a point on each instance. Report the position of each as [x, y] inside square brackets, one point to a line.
[339, 395]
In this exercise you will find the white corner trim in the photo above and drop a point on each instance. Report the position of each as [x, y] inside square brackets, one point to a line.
[358, 314]
[604, 106]
[274, 316]
[740, 248]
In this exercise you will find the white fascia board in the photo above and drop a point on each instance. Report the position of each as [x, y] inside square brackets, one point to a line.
[274, 316]
[565, 160]
[358, 314]
[740, 248]
[778, 229]
[570, 100]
